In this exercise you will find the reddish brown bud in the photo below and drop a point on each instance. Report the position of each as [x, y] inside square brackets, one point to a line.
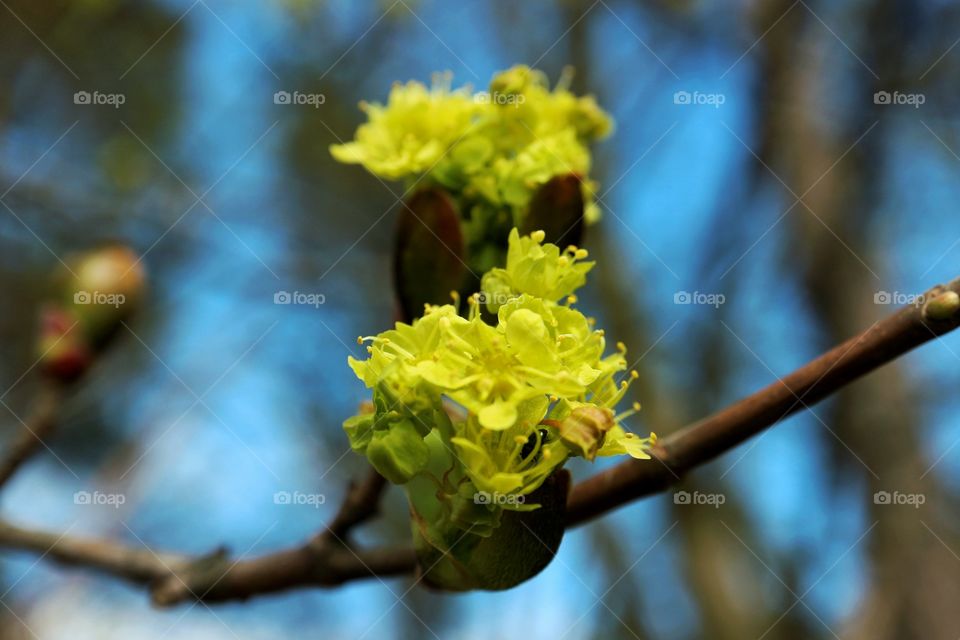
[64, 353]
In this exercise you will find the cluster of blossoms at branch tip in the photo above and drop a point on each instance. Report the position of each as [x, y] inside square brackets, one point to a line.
[492, 149]
[526, 393]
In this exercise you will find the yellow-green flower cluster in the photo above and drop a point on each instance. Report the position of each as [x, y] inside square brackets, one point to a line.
[526, 393]
[491, 150]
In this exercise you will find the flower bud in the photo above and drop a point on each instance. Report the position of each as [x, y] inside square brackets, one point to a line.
[943, 306]
[63, 351]
[516, 80]
[106, 286]
[584, 429]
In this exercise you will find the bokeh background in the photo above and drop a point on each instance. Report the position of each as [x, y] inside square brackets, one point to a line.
[784, 188]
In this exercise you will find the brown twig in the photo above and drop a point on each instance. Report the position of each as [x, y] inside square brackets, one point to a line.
[218, 578]
[174, 578]
[324, 561]
[136, 565]
[704, 440]
[34, 430]
[361, 503]
[327, 560]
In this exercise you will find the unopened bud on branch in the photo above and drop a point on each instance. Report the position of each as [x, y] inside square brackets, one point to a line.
[64, 353]
[943, 306]
[106, 287]
[584, 430]
[102, 288]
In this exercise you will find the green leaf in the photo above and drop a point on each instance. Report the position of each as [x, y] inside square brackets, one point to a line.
[519, 548]
[398, 453]
[359, 431]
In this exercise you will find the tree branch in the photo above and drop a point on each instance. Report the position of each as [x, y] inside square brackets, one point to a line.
[328, 559]
[325, 560]
[704, 440]
[136, 565]
[38, 425]
[175, 578]
[218, 578]
[361, 503]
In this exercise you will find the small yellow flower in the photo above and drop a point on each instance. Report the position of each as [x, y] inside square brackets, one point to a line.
[491, 150]
[409, 134]
[536, 387]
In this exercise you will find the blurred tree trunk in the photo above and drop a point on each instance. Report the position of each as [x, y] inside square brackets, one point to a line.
[876, 429]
